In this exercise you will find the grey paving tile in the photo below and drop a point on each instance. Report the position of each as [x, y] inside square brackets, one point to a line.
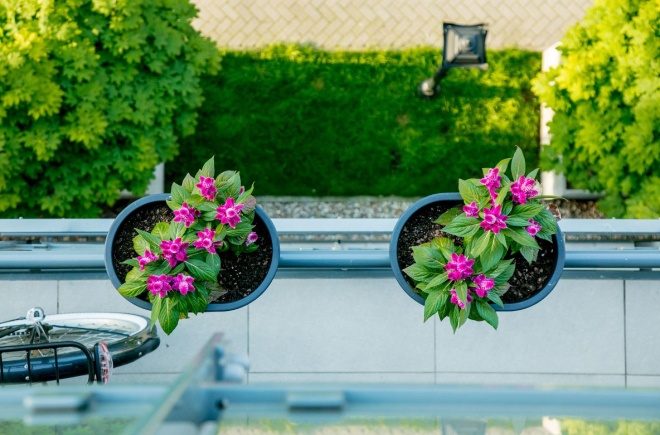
[578, 328]
[348, 378]
[643, 381]
[643, 327]
[323, 325]
[176, 350]
[536, 380]
[20, 296]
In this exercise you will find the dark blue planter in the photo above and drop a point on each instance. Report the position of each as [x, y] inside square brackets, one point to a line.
[109, 266]
[558, 240]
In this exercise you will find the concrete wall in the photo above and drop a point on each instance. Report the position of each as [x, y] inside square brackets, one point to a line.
[587, 332]
[358, 24]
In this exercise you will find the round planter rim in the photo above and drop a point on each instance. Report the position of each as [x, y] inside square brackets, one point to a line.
[112, 274]
[558, 239]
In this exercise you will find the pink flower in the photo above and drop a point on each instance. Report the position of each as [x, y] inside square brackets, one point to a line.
[456, 301]
[459, 267]
[494, 220]
[174, 251]
[184, 284]
[483, 285]
[146, 259]
[241, 191]
[522, 190]
[471, 210]
[205, 240]
[492, 179]
[159, 285]
[229, 213]
[186, 214]
[251, 238]
[207, 187]
[533, 228]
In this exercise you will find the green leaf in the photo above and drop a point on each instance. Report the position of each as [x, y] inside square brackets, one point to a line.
[140, 245]
[495, 298]
[195, 200]
[492, 254]
[502, 166]
[547, 221]
[517, 222]
[548, 197]
[179, 194]
[501, 196]
[200, 270]
[502, 239]
[437, 281]
[533, 175]
[241, 199]
[518, 164]
[161, 230]
[429, 257]
[505, 275]
[131, 262]
[131, 289]
[189, 183]
[520, 235]
[487, 313]
[168, 316]
[242, 229]
[461, 291]
[177, 269]
[156, 305]
[501, 289]
[419, 273]
[445, 245]
[469, 192]
[208, 170]
[448, 216]
[207, 206]
[154, 241]
[176, 230]
[213, 261]
[529, 253]
[526, 211]
[462, 227]
[454, 317]
[464, 314]
[434, 301]
[479, 243]
[174, 206]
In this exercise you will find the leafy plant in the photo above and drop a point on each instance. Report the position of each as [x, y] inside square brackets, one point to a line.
[95, 93]
[318, 113]
[606, 125]
[179, 263]
[500, 217]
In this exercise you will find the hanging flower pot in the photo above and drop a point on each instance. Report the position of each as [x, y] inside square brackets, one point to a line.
[207, 246]
[491, 247]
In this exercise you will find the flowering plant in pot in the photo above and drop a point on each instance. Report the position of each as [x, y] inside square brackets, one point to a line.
[178, 253]
[496, 227]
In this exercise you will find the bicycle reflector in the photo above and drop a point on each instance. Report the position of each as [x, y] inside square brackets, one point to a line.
[103, 362]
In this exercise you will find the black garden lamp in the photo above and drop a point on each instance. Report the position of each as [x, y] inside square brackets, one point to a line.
[464, 47]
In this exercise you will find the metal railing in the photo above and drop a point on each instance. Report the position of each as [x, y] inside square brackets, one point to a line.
[16, 255]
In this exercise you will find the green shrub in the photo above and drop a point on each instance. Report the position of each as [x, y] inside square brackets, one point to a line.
[606, 98]
[94, 93]
[301, 121]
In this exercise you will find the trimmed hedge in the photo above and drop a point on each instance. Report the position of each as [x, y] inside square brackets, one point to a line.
[301, 121]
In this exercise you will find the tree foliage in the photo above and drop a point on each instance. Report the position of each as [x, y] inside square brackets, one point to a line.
[303, 121]
[606, 98]
[94, 94]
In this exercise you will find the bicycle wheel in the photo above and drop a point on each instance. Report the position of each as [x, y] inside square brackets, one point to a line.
[128, 337]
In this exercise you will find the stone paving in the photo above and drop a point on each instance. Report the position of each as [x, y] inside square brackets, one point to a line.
[360, 24]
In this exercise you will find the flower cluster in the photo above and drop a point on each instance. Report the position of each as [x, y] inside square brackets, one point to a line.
[147, 258]
[459, 267]
[186, 214]
[178, 265]
[205, 240]
[500, 221]
[230, 213]
[207, 187]
[174, 250]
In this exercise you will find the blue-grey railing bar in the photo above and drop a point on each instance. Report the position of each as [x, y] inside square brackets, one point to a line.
[100, 227]
[325, 259]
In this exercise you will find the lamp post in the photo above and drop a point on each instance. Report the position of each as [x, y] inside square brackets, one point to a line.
[464, 47]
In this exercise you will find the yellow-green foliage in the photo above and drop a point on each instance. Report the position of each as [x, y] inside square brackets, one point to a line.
[93, 94]
[606, 98]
